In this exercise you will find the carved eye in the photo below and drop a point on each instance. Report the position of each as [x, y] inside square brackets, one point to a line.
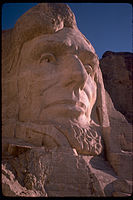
[88, 69]
[47, 58]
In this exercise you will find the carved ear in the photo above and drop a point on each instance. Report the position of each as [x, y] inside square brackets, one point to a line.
[99, 111]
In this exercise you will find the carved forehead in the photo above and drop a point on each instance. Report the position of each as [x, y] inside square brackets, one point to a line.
[62, 40]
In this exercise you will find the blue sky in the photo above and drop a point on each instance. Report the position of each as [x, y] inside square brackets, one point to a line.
[108, 26]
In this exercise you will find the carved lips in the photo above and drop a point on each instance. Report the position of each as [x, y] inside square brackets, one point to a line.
[68, 102]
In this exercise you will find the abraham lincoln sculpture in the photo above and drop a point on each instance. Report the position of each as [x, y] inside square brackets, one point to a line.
[55, 109]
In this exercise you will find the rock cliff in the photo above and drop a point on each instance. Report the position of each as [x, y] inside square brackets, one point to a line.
[117, 69]
[61, 135]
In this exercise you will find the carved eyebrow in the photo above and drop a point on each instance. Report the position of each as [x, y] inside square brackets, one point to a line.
[57, 48]
[83, 52]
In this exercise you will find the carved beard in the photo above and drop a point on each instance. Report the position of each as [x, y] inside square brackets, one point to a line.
[86, 140]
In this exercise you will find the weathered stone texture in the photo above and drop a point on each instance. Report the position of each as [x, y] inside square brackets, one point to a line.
[117, 70]
[61, 135]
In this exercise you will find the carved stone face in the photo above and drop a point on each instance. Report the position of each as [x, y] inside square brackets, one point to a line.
[56, 78]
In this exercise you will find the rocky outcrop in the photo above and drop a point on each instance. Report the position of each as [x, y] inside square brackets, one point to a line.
[40, 172]
[117, 71]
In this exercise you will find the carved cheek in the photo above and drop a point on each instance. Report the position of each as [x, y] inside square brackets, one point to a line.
[90, 89]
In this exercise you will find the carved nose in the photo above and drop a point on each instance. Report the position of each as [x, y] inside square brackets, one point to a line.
[76, 74]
